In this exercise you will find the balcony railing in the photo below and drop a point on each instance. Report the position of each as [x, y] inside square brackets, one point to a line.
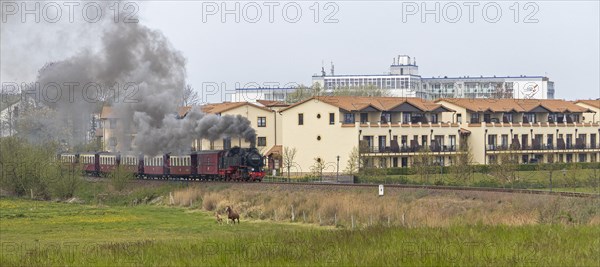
[406, 149]
[541, 147]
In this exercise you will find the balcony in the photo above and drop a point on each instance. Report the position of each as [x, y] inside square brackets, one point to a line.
[406, 149]
[543, 147]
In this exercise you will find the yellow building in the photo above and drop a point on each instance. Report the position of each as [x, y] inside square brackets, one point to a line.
[593, 105]
[397, 132]
[107, 130]
[534, 130]
[262, 118]
[388, 132]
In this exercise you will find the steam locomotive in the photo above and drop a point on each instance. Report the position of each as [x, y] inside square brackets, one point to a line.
[235, 164]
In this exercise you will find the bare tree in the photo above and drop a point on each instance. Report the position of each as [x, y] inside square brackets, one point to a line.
[505, 167]
[352, 166]
[423, 164]
[594, 177]
[461, 169]
[318, 167]
[289, 154]
[366, 90]
[302, 92]
[190, 96]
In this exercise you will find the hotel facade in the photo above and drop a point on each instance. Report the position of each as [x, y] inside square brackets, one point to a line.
[396, 131]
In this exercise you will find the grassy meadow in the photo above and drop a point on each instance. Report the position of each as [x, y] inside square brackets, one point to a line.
[581, 180]
[36, 233]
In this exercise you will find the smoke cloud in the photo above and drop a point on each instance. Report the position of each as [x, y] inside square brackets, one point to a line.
[176, 135]
[143, 75]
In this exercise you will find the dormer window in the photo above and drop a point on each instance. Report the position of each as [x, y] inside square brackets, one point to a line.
[364, 117]
[406, 117]
[434, 118]
[349, 118]
[529, 118]
[474, 117]
[508, 117]
[386, 117]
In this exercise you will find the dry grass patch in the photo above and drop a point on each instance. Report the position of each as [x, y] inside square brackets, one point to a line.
[361, 207]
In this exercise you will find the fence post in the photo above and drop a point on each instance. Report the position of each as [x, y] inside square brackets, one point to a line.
[320, 221]
[388, 220]
[304, 216]
[352, 217]
[335, 219]
[293, 215]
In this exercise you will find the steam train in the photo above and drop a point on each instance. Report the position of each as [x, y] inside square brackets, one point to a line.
[235, 164]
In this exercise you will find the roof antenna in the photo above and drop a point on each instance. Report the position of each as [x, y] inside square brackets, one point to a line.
[332, 69]
[322, 68]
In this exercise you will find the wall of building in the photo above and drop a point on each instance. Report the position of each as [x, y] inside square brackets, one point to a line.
[335, 140]
[340, 138]
[252, 113]
[591, 117]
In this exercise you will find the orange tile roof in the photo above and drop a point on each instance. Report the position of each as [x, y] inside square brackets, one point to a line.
[269, 103]
[356, 103]
[590, 102]
[107, 113]
[276, 149]
[513, 105]
[181, 111]
[217, 108]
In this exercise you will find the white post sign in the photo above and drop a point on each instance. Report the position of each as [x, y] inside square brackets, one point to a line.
[380, 190]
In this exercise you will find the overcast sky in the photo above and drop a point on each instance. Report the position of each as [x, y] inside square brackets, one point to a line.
[561, 40]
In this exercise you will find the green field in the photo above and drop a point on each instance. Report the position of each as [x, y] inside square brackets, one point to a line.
[584, 180]
[36, 233]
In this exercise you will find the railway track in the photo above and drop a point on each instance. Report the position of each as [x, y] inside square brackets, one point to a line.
[400, 186]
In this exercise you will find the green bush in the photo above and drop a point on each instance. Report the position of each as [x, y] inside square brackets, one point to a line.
[120, 177]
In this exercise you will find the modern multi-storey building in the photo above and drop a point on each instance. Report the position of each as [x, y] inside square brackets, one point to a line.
[403, 80]
[522, 87]
[262, 93]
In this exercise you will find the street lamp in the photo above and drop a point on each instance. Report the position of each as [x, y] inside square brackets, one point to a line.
[564, 171]
[575, 137]
[390, 132]
[359, 133]
[485, 147]
[337, 171]
[512, 139]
